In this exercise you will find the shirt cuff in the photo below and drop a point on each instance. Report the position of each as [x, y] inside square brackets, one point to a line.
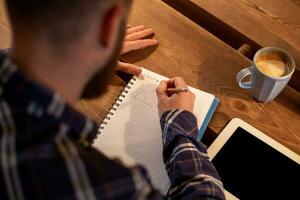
[178, 122]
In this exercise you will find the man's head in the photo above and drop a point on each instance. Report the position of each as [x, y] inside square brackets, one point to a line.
[90, 30]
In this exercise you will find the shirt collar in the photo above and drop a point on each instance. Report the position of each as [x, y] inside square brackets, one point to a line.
[38, 100]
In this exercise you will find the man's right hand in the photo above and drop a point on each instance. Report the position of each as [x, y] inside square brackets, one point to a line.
[167, 101]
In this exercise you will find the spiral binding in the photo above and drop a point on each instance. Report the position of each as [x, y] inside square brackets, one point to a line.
[115, 106]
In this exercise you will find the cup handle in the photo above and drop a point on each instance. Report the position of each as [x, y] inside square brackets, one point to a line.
[243, 74]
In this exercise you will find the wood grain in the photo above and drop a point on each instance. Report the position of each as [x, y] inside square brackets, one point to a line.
[5, 34]
[207, 63]
[262, 23]
[269, 23]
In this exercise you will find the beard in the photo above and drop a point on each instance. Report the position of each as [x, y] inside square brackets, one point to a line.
[99, 82]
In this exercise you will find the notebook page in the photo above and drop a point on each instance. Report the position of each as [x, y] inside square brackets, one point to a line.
[133, 132]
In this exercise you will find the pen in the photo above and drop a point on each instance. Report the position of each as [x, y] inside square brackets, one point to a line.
[177, 90]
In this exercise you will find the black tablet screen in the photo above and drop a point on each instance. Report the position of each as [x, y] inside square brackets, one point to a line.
[249, 168]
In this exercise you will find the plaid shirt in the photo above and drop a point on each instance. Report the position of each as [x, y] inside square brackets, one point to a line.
[44, 151]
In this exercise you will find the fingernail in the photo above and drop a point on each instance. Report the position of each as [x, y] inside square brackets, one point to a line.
[138, 71]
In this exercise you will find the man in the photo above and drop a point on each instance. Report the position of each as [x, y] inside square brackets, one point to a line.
[67, 50]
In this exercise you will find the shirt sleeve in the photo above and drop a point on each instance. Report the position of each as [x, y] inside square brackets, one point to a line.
[191, 173]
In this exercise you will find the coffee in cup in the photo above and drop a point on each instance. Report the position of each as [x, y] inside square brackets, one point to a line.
[271, 64]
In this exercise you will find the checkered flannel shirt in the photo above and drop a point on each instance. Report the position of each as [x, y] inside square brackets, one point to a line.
[44, 153]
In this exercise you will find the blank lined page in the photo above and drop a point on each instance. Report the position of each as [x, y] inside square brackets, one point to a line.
[132, 130]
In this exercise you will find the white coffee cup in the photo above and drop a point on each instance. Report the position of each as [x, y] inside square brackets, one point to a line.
[267, 79]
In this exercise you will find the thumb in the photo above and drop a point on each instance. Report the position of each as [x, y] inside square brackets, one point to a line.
[129, 68]
[161, 90]
[179, 82]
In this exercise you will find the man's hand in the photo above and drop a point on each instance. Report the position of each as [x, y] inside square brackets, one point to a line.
[167, 101]
[135, 40]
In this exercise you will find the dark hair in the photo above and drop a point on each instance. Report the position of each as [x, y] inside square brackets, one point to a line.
[60, 21]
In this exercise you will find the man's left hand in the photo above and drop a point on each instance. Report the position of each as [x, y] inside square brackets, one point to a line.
[135, 39]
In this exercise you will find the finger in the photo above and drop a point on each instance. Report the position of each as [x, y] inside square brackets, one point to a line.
[161, 90]
[170, 83]
[179, 82]
[129, 68]
[139, 34]
[135, 29]
[139, 44]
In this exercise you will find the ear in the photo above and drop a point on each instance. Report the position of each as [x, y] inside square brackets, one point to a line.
[110, 25]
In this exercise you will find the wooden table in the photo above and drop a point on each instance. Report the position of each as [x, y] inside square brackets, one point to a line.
[259, 23]
[206, 60]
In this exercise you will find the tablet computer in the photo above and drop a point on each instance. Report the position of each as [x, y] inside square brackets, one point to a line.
[254, 166]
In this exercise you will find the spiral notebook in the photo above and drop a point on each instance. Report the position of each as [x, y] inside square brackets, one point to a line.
[131, 130]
